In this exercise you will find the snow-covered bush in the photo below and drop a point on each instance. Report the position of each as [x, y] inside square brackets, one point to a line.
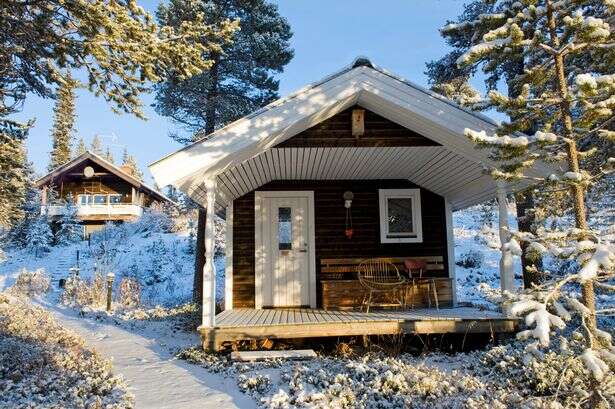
[84, 292]
[42, 365]
[129, 293]
[470, 259]
[30, 283]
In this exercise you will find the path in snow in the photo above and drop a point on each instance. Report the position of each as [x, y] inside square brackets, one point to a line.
[143, 355]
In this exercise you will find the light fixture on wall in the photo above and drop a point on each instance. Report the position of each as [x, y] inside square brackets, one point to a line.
[348, 196]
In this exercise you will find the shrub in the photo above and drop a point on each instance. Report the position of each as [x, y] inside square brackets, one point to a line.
[44, 365]
[471, 259]
[80, 292]
[129, 294]
[30, 283]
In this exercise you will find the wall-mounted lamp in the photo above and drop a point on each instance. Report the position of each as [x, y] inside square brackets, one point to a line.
[348, 196]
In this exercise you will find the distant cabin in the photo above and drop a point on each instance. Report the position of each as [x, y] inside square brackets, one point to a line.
[102, 191]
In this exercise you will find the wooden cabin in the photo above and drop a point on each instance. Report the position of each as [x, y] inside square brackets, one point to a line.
[102, 191]
[361, 165]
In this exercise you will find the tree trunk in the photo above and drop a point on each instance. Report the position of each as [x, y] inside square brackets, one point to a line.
[526, 218]
[577, 190]
[199, 259]
[210, 126]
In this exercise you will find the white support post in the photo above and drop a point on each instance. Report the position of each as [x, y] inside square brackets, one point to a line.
[506, 260]
[228, 271]
[450, 247]
[209, 271]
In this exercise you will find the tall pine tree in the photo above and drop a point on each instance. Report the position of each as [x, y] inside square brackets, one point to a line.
[108, 155]
[567, 93]
[452, 81]
[63, 123]
[15, 173]
[242, 76]
[80, 148]
[240, 80]
[96, 146]
[129, 163]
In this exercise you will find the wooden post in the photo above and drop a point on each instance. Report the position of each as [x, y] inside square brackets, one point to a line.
[228, 272]
[450, 249]
[506, 261]
[358, 122]
[110, 277]
[209, 271]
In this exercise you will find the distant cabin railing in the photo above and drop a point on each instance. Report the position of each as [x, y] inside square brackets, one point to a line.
[109, 209]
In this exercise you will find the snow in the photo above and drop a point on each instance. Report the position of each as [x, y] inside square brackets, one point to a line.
[506, 140]
[143, 352]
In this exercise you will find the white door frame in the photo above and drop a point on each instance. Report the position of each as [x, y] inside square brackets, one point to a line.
[259, 197]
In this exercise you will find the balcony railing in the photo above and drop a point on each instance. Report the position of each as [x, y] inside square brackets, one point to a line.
[115, 209]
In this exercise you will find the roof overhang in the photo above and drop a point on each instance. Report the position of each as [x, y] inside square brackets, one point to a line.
[398, 100]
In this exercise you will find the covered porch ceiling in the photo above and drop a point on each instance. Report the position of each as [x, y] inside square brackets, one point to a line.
[436, 168]
[247, 154]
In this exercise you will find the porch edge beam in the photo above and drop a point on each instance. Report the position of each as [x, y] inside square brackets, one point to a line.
[209, 271]
[506, 260]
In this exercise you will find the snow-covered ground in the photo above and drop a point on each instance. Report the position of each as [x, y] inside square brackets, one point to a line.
[143, 342]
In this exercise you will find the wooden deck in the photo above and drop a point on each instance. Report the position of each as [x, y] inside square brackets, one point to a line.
[249, 324]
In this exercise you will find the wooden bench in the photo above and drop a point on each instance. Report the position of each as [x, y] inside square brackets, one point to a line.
[342, 290]
[345, 268]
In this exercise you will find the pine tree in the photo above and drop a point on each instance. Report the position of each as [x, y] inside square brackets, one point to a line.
[452, 81]
[33, 232]
[96, 146]
[80, 148]
[240, 80]
[15, 172]
[566, 106]
[242, 76]
[109, 156]
[63, 123]
[69, 226]
[129, 163]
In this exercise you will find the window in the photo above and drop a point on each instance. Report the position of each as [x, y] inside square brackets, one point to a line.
[285, 228]
[85, 200]
[100, 199]
[400, 216]
[115, 199]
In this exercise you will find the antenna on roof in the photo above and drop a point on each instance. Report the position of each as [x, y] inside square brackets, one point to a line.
[362, 61]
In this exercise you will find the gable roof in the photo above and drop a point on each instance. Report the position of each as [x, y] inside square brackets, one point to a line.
[362, 83]
[110, 167]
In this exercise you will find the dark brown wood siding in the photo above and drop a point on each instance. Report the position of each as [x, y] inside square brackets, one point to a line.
[337, 132]
[330, 220]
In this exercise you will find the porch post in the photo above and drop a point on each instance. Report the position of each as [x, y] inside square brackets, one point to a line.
[450, 248]
[228, 271]
[506, 261]
[209, 271]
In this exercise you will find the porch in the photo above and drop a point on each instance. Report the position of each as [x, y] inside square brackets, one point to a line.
[255, 324]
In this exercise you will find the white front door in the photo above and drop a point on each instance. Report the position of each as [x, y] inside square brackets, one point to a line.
[284, 245]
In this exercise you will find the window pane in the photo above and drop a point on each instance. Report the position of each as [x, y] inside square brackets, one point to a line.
[100, 199]
[115, 199]
[400, 216]
[83, 199]
[285, 228]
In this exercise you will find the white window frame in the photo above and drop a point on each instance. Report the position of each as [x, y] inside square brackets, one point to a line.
[417, 220]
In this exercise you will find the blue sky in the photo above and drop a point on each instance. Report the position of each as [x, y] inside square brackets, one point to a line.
[399, 35]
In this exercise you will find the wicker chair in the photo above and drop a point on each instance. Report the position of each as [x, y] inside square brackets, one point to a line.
[380, 276]
[416, 267]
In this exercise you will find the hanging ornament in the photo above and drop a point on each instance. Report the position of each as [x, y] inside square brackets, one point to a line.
[348, 196]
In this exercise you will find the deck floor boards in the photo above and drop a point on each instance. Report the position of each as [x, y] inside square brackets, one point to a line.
[266, 317]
